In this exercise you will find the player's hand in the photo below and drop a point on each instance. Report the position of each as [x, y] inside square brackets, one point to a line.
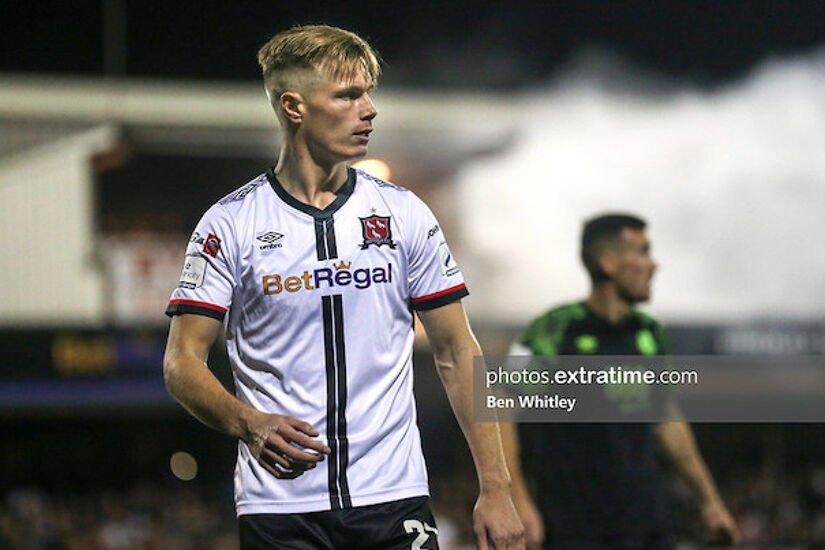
[284, 445]
[721, 526]
[531, 520]
[496, 524]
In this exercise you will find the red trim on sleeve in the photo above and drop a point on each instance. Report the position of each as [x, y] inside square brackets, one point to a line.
[198, 304]
[439, 293]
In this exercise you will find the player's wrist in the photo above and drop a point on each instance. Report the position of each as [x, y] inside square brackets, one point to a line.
[495, 486]
[712, 501]
[708, 493]
[519, 493]
[249, 426]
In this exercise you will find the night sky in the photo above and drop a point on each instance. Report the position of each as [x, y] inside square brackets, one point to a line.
[510, 44]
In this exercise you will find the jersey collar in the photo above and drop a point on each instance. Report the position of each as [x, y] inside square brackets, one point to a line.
[631, 321]
[343, 195]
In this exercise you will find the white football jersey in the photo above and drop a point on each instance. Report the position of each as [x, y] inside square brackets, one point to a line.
[318, 307]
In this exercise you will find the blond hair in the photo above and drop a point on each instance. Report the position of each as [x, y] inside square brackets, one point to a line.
[296, 57]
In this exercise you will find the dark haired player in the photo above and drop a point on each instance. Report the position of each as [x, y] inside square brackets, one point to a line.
[600, 485]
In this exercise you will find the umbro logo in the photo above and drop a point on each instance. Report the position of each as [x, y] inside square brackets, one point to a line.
[270, 238]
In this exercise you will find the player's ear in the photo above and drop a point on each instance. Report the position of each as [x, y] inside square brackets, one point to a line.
[608, 262]
[292, 106]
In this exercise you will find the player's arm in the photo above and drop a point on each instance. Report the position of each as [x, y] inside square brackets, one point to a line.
[679, 445]
[454, 347]
[276, 441]
[526, 508]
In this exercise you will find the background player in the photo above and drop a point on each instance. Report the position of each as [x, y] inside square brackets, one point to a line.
[600, 485]
[315, 267]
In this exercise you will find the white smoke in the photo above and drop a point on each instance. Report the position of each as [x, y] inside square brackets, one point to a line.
[732, 182]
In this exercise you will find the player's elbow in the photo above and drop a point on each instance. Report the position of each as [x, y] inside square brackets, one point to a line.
[445, 366]
[444, 355]
[171, 371]
[449, 358]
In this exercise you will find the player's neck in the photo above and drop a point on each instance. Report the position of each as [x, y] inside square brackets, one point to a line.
[605, 301]
[308, 181]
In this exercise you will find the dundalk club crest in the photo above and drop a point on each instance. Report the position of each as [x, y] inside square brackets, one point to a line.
[376, 230]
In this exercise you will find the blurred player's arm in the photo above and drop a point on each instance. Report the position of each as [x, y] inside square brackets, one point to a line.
[454, 346]
[526, 508]
[679, 445]
[189, 380]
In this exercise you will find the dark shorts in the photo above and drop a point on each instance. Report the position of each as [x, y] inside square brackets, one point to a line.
[406, 524]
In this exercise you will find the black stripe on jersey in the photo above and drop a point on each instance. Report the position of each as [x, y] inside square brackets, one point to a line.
[332, 247]
[332, 440]
[320, 240]
[341, 365]
[336, 370]
[325, 245]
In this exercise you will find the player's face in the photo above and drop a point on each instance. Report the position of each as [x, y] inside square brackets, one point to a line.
[634, 266]
[337, 120]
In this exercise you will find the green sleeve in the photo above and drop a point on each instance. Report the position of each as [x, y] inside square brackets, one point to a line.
[543, 336]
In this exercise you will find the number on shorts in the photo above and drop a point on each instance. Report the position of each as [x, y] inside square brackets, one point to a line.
[423, 530]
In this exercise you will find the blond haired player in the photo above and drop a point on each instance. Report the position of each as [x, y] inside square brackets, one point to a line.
[315, 269]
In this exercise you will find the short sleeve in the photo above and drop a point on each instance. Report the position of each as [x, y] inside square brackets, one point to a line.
[207, 280]
[541, 337]
[434, 277]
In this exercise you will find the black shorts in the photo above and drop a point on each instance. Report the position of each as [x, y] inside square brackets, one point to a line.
[400, 524]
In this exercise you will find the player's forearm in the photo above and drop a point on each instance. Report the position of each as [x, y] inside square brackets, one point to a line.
[512, 457]
[455, 367]
[680, 447]
[193, 385]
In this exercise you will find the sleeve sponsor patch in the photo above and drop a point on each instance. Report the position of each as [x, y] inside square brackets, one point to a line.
[194, 269]
[448, 265]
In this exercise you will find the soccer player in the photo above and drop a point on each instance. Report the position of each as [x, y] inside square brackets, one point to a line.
[600, 485]
[316, 268]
